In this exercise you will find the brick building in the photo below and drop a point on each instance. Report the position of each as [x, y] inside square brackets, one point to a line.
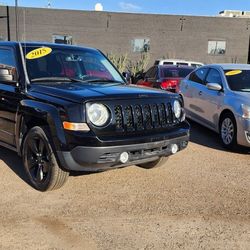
[198, 38]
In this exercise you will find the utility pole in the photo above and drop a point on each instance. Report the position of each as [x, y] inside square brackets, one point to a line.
[182, 19]
[17, 21]
[8, 21]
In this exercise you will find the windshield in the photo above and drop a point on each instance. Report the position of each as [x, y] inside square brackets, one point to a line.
[175, 72]
[64, 64]
[238, 80]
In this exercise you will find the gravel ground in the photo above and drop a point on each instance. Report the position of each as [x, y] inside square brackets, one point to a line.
[199, 200]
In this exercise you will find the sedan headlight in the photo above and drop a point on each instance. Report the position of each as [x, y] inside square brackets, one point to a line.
[98, 114]
[177, 109]
[245, 111]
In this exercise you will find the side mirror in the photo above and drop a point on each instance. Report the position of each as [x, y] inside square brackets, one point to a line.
[127, 76]
[214, 86]
[8, 74]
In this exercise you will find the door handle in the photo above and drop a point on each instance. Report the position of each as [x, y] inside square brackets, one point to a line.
[200, 92]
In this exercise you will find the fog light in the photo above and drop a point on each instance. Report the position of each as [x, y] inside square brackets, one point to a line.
[124, 157]
[174, 148]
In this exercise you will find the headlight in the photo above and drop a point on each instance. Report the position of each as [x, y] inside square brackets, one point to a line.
[177, 109]
[245, 111]
[98, 114]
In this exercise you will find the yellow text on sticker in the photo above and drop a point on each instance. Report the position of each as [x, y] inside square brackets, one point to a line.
[37, 53]
[233, 72]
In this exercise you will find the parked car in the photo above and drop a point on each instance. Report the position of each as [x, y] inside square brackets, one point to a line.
[218, 97]
[178, 62]
[166, 77]
[66, 108]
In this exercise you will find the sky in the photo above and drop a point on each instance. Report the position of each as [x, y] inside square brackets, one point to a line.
[178, 7]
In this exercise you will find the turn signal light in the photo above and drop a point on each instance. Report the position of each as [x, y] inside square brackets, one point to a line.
[75, 126]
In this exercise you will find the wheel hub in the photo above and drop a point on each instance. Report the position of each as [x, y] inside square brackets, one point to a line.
[227, 131]
[38, 164]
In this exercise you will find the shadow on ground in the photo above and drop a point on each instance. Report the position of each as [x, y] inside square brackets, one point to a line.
[208, 138]
[14, 162]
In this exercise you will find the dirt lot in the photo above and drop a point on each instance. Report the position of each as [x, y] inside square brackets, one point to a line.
[200, 200]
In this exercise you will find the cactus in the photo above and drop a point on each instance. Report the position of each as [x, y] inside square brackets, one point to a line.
[140, 65]
[134, 68]
[120, 61]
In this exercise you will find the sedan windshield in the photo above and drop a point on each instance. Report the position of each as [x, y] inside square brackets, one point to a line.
[238, 80]
[55, 64]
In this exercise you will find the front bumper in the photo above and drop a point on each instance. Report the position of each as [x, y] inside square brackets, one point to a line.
[83, 158]
[243, 131]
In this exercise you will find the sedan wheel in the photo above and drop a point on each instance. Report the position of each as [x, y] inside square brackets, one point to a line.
[228, 131]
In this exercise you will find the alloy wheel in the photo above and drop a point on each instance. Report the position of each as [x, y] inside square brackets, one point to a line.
[38, 159]
[227, 131]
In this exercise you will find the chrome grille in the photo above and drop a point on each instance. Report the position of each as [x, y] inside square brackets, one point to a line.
[144, 117]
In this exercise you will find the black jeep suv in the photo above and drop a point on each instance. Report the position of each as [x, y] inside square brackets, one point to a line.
[66, 108]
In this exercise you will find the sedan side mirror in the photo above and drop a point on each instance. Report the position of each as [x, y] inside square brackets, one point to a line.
[214, 86]
[8, 74]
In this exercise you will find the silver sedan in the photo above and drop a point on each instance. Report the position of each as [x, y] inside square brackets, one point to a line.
[218, 97]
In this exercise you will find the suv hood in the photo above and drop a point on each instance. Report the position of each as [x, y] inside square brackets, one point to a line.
[80, 92]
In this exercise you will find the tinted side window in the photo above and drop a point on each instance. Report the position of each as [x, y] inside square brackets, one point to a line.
[213, 77]
[199, 75]
[152, 72]
[7, 57]
[184, 72]
[180, 63]
[149, 73]
[195, 65]
[168, 63]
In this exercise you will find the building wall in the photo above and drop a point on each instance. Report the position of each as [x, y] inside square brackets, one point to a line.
[170, 37]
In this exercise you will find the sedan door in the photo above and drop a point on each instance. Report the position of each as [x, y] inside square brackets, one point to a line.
[210, 100]
[191, 89]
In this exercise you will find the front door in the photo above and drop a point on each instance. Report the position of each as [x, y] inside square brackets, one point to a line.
[210, 100]
[8, 100]
[192, 89]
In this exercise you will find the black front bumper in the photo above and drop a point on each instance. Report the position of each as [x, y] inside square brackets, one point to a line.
[83, 158]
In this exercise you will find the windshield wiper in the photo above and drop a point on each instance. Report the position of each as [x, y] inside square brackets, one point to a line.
[102, 80]
[53, 79]
[69, 79]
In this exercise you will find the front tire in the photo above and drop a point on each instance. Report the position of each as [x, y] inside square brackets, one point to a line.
[228, 131]
[154, 164]
[40, 162]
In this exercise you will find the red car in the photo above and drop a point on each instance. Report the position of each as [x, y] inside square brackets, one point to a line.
[165, 77]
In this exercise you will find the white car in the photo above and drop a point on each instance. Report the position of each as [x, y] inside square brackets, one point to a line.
[178, 62]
